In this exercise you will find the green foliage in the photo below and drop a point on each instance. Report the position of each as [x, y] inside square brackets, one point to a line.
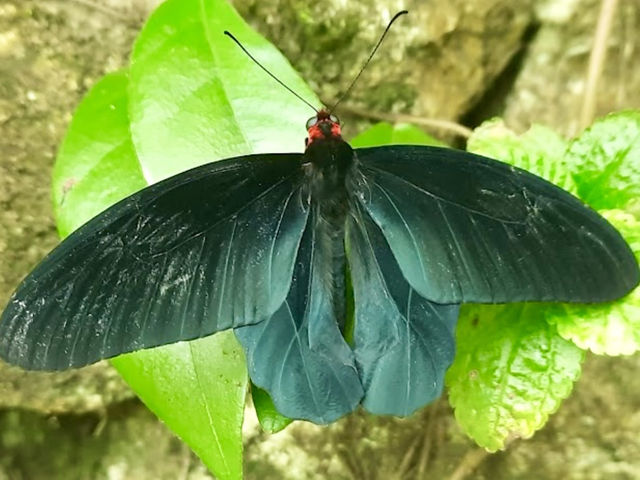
[190, 96]
[511, 371]
[194, 96]
[605, 161]
[198, 389]
[539, 150]
[206, 380]
[490, 418]
[270, 419]
[609, 329]
[384, 133]
[97, 164]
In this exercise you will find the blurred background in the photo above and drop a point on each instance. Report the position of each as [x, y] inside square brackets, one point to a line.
[460, 61]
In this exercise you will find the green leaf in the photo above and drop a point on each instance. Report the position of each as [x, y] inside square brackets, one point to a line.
[196, 388]
[539, 150]
[196, 97]
[605, 160]
[270, 419]
[206, 379]
[96, 164]
[511, 371]
[612, 328]
[384, 133]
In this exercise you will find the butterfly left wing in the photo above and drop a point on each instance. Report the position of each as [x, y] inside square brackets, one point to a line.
[200, 252]
[299, 355]
[402, 342]
[465, 228]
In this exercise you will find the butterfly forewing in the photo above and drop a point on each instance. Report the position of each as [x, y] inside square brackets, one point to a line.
[465, 228]
[203, 251]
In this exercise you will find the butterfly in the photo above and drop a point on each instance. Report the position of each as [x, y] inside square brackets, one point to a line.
[266, 243]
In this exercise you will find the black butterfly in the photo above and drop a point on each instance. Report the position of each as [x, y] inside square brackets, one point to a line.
[264, 243]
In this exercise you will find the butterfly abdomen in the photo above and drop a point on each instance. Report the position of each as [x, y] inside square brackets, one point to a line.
[328, 165]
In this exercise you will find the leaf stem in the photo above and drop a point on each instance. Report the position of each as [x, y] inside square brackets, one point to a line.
[425, 453]
[436, 123]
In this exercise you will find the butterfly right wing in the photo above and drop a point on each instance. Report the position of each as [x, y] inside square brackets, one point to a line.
[469, 229]
[200, 252]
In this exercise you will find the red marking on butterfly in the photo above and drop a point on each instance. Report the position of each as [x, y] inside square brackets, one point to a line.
[323, 126]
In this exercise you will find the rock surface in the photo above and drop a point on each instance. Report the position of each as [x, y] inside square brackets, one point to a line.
[557, 60]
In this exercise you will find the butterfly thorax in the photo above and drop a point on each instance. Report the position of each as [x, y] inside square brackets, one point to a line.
[328, 160]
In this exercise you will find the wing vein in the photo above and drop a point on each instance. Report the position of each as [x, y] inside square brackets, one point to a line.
[190, 287]
[436, 197]
[224, 273]
[408, 228]
[275, 238]
[151, 298]
[231, 215]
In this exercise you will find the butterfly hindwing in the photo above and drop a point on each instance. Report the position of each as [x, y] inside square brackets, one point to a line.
[299, 355]
[402, 342]
[200, 252]
[465, 228]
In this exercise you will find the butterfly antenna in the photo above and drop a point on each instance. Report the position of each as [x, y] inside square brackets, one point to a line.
[375, 49]
[230, 35]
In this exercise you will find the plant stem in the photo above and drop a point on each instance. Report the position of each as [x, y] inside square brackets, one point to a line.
[469, 463]
[596, 61]
[437, 123]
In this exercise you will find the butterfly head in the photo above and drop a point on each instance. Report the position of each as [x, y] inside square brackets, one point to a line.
[323, 126]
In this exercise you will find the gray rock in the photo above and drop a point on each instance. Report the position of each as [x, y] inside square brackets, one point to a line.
[50, 54]
[550, 87]
[436, 61]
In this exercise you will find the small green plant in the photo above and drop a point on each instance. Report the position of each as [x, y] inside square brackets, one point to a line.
[190, 97]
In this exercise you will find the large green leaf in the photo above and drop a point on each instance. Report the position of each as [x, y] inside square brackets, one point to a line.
[605, 161]
[612, 328]
[96, 164]
[539, 150]
[196, 97]
[511, 371]
[198, 388]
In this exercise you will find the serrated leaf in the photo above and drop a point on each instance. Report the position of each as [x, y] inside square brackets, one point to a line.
[270, 419]
[196, 97]
[539, 150]
[511, 371]
[612, 328]
[96, 164]
[384, 133]
[605, 160]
